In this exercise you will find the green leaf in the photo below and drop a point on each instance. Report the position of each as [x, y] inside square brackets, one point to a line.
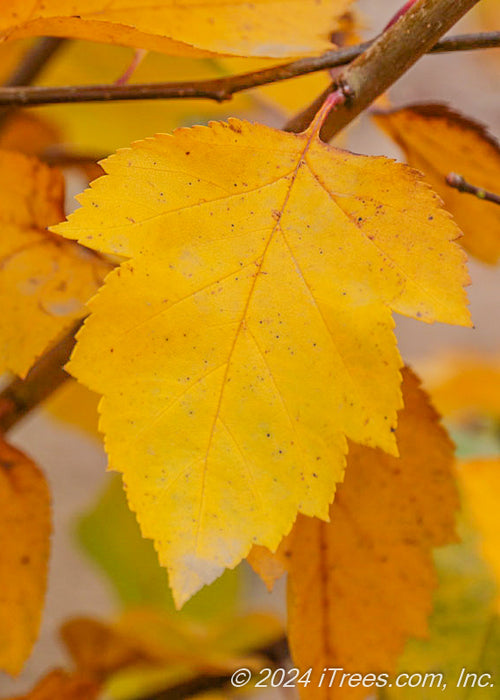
[464, 630]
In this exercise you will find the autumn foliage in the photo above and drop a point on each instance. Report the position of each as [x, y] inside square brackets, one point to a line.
[219, 312]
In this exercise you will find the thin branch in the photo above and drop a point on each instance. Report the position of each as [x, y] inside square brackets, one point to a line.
[34, 61]
[22, 395]
[386, 60]
[457, 182]
[30, 66]
[221, 89]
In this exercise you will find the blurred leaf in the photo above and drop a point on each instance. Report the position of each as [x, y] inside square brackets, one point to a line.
[438, 140]
[25, 526]
[73, 403]
[480, 480]
[466, 386]
[60, 685]
[28, 134]
[111, 536]
[44, 280]
[149, 650]
[464, 631]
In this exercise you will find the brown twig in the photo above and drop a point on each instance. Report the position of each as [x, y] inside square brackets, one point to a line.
[386, 60]
[221, 89]
[457, 181]
[22, 395]
[34, 61]
[30, 66]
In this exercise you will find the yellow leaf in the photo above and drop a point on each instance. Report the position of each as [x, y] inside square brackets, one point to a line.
[60, 685]
[480, 481]
[255, 329]
[24, 552]
[186, 27]
[437, 141]
[362, 584]
[44, 281]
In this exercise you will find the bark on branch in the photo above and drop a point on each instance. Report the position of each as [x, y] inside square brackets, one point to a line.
[221, 89]
[386, 60]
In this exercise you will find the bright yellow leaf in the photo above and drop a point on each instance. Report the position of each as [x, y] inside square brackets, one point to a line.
[24, 551]
[184, 27]
[60, 685]
[480, 481]
[437, 141]
[362, 584]
[44, 281]
[254, 329]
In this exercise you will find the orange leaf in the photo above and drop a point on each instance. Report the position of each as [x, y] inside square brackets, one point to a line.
[362, 584]
[148, 650]
[24, 552]
[44, 281]
[59, 685]
[438, 140]
[99, 649]
[28, 134]
[270, 567]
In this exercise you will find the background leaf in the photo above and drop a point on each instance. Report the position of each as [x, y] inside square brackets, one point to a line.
[437, 140]
[44, 281]
[25, 525]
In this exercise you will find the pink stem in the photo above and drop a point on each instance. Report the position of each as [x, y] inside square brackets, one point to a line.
[333, 100]
[137, 59]
[400, 13]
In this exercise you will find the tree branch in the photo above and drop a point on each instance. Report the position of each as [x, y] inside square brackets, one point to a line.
[31, 66]
[34, 61]
[22, 395]
[386, 60]
[221, 89]
[458, 182]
